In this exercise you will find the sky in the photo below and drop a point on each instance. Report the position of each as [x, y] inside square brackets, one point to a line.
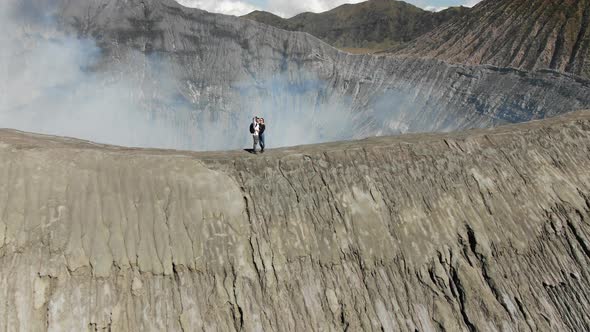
[289, 8]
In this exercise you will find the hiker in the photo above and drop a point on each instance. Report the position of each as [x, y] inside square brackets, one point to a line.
[255, 131]
[262, 128]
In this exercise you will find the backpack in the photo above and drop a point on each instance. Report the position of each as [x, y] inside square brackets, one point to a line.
[251, 128]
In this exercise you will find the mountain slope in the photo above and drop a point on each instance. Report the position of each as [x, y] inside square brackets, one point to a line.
[527, 34]
[374, 24]
[483, 230]
[202, 76]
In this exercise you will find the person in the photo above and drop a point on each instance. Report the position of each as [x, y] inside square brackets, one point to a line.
[262, 128]
[255, 131]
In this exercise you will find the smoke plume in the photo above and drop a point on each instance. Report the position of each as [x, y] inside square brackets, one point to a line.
[58, 84]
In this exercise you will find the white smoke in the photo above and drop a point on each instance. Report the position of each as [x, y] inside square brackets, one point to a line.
[61, 85]
[49, 84]
[58, 84]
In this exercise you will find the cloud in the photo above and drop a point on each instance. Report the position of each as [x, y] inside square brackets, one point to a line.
[435, 8]
[471, 3]
[228, 7]
[438, 5]
[285, 8]
[289, 8]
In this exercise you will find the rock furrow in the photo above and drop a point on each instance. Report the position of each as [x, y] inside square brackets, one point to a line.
[481, 230]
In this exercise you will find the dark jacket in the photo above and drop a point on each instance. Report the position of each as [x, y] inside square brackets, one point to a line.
[262, 128]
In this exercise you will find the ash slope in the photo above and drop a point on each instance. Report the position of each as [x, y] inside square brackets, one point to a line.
[529, 34]
[224, 67]
[480, 230]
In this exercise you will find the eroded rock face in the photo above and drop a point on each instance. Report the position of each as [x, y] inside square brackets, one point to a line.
[528, 34]
[220, 70]
[479, 230]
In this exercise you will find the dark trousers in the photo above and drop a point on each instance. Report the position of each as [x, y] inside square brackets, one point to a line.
[261, 141]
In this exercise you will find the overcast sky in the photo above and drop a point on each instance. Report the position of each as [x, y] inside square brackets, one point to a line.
[288, 8]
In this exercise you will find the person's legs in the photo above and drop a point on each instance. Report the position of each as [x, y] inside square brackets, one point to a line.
[255, 137]
[262, 143]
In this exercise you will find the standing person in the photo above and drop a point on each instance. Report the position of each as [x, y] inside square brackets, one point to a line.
[262, 128]
[255, 131]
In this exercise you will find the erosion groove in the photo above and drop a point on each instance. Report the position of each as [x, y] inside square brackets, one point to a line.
[527, 34]
[472, 231]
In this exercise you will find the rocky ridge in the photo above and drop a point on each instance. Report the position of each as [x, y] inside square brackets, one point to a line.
[478, 230]
[530, 34]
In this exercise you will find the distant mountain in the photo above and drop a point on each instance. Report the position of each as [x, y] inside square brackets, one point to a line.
[374, 24]
[526, 34]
